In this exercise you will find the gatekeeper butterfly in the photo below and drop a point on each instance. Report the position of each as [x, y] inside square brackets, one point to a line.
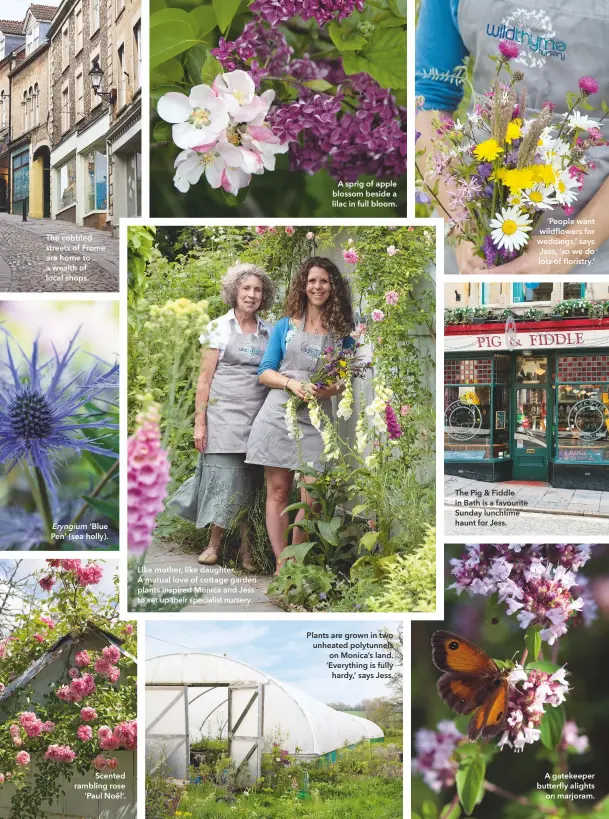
[472, 682]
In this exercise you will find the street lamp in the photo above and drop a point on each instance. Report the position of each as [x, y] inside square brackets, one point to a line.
[96, 73]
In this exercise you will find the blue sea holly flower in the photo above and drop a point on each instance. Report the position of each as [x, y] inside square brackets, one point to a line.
[45, 409]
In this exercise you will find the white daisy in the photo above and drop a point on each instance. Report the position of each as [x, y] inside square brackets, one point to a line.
[545, 138]
[555, 151]
[567, 188]
[510, 228]
[540, 197]
[516, 199]
[581, 121]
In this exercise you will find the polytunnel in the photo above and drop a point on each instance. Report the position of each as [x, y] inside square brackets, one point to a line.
[195, 695]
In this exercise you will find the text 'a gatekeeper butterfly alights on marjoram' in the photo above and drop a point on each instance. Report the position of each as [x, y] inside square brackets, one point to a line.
[472, 681]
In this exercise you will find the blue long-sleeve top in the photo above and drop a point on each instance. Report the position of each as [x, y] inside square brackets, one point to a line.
[439, 47]
[275, 349]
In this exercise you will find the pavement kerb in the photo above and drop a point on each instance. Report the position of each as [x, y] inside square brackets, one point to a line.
[549, 511]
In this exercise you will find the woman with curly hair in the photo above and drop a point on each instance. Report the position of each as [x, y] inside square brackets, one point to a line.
[229, 396]
[319, 314]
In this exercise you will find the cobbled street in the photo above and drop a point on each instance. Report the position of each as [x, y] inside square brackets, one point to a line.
[50, 256]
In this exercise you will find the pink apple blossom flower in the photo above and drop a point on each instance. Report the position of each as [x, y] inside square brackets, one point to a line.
[377, 315]
[22, 758]
[147, 477]
[392, 297]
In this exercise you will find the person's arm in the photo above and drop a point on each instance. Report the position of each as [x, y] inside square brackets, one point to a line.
[209, 362]
[335, 389]
[580, 242]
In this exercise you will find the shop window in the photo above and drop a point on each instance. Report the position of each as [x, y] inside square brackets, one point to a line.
[531, 369]
[531, 292]
[467, 419]
[503, 366]
[582, 368]
[67, 184]
[574, 290]
[583, 423]
[468, 371]
[97, 181]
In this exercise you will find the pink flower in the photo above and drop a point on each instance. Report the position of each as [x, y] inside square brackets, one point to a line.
[60, 753]
[410, 229]
[569, 210]
[31, 724]
[147, 477]
[351, 256]
[104, 732]
[74, 673]
[509, 49]
[289, 230]
[571, 738]
[392, 250]
[128, 629]
[48, 727]
[126, 734]
[272, 230]
[377, 315]
[47, 582]
[112, 763]
[102, 666]
[100, 762]
[89, 575]
[70, 565]
[260, 230]
[549, 104]
[17, 742]
[393, 428]
[588, 85]
[14, 730]
[1, 778]
[310, 236]
[114, 673]
[88, 714]
[39, 638]
[435, 760]
[391, 297]
[82, 659]
[112, 654]
[22, 758]
[405, 409]
[84, 733]
[47, 621]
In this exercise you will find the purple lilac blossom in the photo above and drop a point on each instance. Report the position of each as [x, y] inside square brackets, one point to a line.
[277, 11]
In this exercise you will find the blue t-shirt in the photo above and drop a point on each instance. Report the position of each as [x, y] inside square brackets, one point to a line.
[439, 47]
[275, 349]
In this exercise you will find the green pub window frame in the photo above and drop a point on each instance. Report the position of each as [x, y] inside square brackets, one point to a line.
[547, 422]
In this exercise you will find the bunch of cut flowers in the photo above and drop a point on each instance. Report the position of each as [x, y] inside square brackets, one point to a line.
[505, 170]
[336, 366]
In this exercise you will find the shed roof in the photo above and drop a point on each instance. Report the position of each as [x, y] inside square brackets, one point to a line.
[58, 648]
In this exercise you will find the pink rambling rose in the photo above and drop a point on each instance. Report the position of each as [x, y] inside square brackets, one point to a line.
[112, 763]
[351, 256]
[17, 742]
[128, 629]
[310, 236]
[289, 230]
[88, 714]
[39, 638]
[272, 230]
[70, 565]
[147, 478]
[102, 666]
[60, 753]
[48, 727]
[47, 582]
[100, 762]
[47, 621]
[84, 733]
[261, 230]
[112, 654]
[22, 758]
[82, 659]
[1, 778]
[104, 732]
[89, 575]
[74, 673]
[392, 297]
[114, 673]
[14, 730]
[377, 315]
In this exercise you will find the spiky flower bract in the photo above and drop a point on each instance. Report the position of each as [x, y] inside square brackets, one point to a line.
[46, 408]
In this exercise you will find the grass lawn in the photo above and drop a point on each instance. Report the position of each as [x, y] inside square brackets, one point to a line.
[355, 797]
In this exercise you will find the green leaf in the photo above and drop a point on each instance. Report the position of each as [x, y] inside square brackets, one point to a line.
[551, 727]
[162, 132]
[532, 640]
[450, 812]
[195, 60]
[392, 22]
[294, 506]
[171, 70]
[369, 539]
[604, 107]
[429, 810]
[345, 39]
[399, 7]
[357, 510]
[225, 11]
[384, 58]
[211, 69]
[298, 551]
[470, 779]
[206, 19]
[108, 510]
[329, 530]
[544, 665]
[172, 31]
[318, 85]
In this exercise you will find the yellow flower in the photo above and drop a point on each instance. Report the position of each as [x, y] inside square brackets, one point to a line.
[513, 131]
[488, 150]
[342, 363]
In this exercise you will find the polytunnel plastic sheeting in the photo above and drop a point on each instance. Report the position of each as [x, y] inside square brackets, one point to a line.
[298, 719]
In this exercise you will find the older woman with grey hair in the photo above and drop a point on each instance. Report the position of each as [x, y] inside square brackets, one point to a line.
[228, 398]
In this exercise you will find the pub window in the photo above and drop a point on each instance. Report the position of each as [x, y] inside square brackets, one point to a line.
[531, 292]
[582, 411]
[574, 290]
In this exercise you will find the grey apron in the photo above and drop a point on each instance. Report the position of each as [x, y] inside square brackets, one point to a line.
[559, 43]
[236, 395]
[269, 443]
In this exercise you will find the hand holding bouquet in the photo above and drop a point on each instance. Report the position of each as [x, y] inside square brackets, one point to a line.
[505, 170]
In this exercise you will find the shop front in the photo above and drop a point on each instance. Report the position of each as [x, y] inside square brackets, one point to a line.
[529, 402]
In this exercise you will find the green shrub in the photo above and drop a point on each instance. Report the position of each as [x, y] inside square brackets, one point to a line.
[410, 585]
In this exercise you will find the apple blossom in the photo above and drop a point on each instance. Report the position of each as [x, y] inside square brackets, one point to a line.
[198, 119]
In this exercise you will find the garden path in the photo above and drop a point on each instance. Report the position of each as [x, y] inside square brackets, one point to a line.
[223, 586]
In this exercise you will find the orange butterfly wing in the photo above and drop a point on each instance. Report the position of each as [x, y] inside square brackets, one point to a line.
[450, 652]
[491, 717]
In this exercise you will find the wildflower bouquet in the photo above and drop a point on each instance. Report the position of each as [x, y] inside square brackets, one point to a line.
[504, 170]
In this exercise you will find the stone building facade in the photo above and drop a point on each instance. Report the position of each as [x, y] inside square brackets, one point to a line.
[12, 47]
[520, 297]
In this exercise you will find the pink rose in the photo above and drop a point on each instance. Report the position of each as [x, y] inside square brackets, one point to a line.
[47, 621]
[39, 638]
[261, 230]
[392, 250]
[88, 714]
[84, 733]
[114, 673]
[48, 727]
[377, 315]
[351, 256]
[74, 673]
[47, 582]
[289, 230]
[89, 575]
[391, 297]
[22, 758]
[100, 762]
[82, 659]
[128, 629]
[102, 666]
[272, 230]
[112, 654]
[310, 236]
[1, 778]
[113, 763]
[60, 753]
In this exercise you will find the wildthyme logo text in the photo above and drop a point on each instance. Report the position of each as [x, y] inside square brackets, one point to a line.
[547, 46]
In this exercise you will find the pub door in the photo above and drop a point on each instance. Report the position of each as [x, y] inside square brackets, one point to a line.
[532, 428]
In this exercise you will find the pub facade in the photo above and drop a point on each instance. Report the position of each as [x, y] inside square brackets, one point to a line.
[526, 383]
